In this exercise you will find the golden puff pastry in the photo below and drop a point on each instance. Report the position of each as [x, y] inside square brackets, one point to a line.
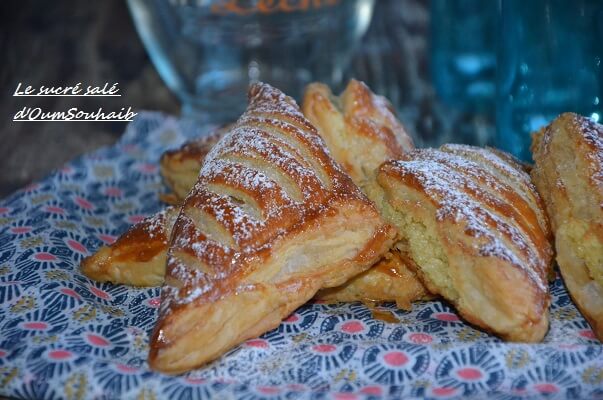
[359, 128]
[361, 132]
[388, 280]
[473, 237]
[568, 173]
[271, 220]
[180, 167]
[375, 125]
[138, 256]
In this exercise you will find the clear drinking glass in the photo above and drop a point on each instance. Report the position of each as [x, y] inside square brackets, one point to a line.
[549, 62]
[208, 51]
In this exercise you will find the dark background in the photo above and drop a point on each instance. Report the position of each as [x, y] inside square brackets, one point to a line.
[63, 42]
[60, 43]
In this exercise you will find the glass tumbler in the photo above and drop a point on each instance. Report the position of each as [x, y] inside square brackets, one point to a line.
[209, 51]
[549, 62]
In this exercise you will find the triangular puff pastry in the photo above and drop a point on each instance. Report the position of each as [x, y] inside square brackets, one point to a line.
[361, 132]
[270, 220]
[138, 256]
[474, 226]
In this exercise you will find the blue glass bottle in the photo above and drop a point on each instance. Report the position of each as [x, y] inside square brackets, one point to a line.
[549, 61]
[463, 53]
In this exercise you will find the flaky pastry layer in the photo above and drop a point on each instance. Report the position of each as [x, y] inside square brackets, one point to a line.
[138, 256]
[472, 237]
[568, 173]
[362, 132]
[271, 219]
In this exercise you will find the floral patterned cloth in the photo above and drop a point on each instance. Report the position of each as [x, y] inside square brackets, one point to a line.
[64, 336]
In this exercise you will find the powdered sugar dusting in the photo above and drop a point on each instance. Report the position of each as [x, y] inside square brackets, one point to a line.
[249, 185]
[156, 225]
[450, 189]
[508, 170]
[592, 134]
[491, 157]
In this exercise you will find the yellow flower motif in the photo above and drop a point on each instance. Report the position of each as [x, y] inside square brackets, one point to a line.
[5, 221]
[103, 171]
[7, 374]
[468, 334]
[66, 225]
[140, 343]
[517, 358]
[84, 313]
[442, 346]
[94, 221]
[70, 187]
[421, 384]
[5, 269]
[270, 366]
[75, 386]
[41, 199]
[57, 274]
[33, 241]
[25, 303]
[45, 339]
[125, 206]
[345, 374]
[593, 375]
[146, 394]
[565, 314]
[300, 338]
[113, 311]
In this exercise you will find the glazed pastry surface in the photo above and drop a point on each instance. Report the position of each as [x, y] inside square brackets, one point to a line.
[365, 122]
[390, 279]
[180, 167]
[138, 256]
[271, 219]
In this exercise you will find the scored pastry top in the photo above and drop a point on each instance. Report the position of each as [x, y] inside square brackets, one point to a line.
[470, 188]
[270, 176]
[512, 172]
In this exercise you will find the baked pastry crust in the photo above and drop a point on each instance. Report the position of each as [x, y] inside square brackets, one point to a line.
[270, 220]
[568, 173]
[359, 127]
[365, 120]
[180, 167]
[138, 256]
[390, 279]
[473, 238]
[362, 132]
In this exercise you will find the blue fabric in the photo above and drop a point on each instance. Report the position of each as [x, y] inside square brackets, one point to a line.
[65, 336]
